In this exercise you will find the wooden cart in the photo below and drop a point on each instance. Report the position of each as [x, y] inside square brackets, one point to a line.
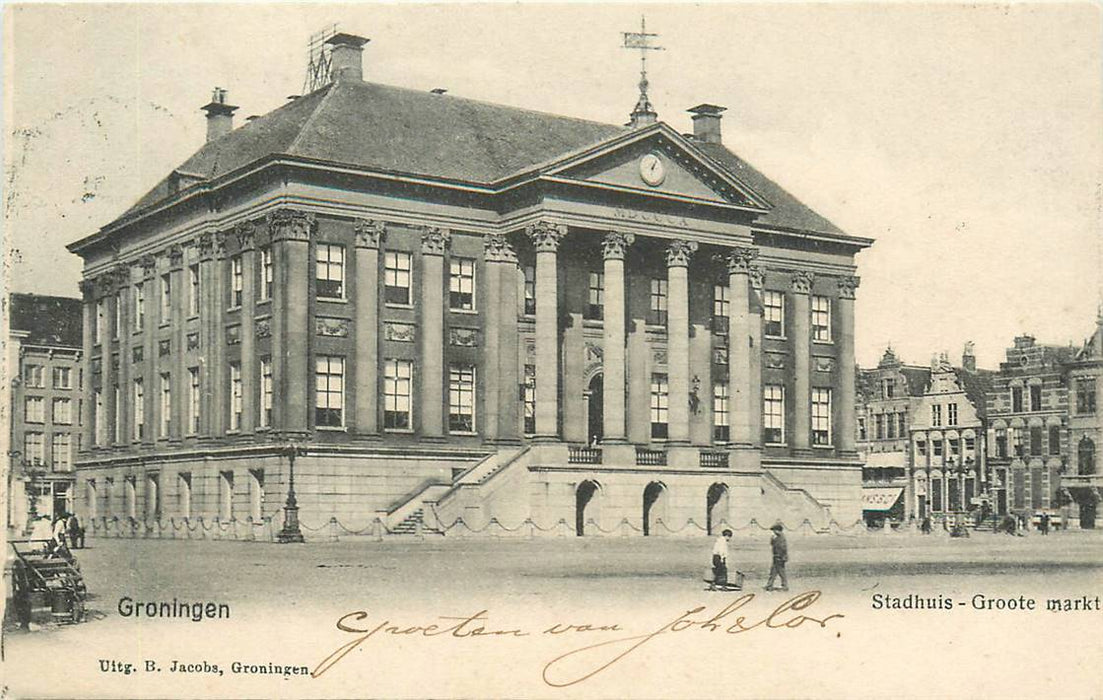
[47, 576]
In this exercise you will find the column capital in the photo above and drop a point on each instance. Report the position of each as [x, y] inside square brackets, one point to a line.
[497, 249]
[205, 243]
[847, 285]
[435, 240]
[369, 233]
[679, 252]
[614, 246]
[739, 260]
[757, 275]
[176, 256]
[149, 264]
[87, 290]
[801, 282]
[546, 236]
[246, 235]
[120, 276]
[291, 225]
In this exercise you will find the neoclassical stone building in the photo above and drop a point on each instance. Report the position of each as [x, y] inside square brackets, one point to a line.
[436, 308]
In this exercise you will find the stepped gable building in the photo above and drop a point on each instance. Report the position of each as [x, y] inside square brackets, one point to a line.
[435, 308]
[888, 397]
[44, 349]
[1045, 428]
[949, 474]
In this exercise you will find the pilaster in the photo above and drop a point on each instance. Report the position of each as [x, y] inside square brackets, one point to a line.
[678, 256]
[845, 406]
[434, 246]
[741, 346]
[546, 238]
[246, 238]
[369, 237]
[801, 287]
[291, 231]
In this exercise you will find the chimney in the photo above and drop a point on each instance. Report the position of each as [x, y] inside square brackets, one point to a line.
[706, 122]
[220, 116]
[968, 359]
[345, 56]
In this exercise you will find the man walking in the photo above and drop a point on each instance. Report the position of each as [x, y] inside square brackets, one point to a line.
[780, 552]
[720, 561]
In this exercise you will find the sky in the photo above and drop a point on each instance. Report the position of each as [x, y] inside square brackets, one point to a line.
[966, 139]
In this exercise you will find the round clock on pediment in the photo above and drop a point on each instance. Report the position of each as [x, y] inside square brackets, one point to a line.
[652, 170]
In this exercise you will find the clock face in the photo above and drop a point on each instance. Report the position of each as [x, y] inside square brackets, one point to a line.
[651, 170]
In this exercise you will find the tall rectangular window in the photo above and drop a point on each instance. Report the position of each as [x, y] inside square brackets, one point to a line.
[139, 410]
[1036, 440]
[193, 290]
[34, 376]
[166, 404]
[1085, 396]
[117, 315]
[1055, 439]
[951, 413]
[936, 447]
[237, 281]
[902, 424]
[61, 451]
[1017, 442]
[529, 292]
[1016, 399]
[821, 417]
[721, 308]
[1036, 397]
[879, 426]
[595, 307]
[98, 326]
[660, 405]
[34, 409]
[529, 399]
[461, 284]
[888, 388]
[193, 400]
[117, 418]
[329, 391]
[33, 447]
[396, 394]
[236, 397]
[98, 422]
[461, 399]
[773, 314]
[265, 416]
[139, 306]
[659, 290]
[936, 415]
[821, 319]
[721, 426]
[166, 298]
[773, 414]
[1001, 442]
[63, 377]
[329, 271]
[266, 273]
[890, 426]
[862, 430]
[396, 277]
[63, 411]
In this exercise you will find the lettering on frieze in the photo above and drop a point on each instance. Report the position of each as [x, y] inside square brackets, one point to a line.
[651, 217]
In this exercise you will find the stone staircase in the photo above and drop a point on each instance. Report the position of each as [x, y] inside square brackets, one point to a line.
[798, 504]
[414, 524]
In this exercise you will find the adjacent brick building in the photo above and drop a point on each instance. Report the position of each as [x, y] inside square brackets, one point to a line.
[457, 309]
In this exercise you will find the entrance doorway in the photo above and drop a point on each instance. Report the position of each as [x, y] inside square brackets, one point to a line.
[1087, 514]
[595, 415]
[587, 505]
[716, 507]
[654, 506]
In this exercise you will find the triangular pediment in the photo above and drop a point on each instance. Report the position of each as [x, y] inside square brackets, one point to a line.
[657, 161]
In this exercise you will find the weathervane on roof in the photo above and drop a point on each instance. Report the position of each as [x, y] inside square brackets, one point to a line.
[644, 113]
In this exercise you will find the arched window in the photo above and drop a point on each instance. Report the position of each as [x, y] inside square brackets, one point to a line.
[1085, 457]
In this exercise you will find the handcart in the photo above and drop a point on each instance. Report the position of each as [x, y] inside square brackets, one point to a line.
[47, 575]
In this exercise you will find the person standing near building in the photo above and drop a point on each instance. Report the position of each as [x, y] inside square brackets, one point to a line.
[720, 560]
[76, 532]
[780, 551]
[59, 530]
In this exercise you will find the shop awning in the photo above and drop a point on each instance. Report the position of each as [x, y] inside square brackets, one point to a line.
[880, 498]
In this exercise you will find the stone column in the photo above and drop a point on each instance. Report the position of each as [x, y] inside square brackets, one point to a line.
[291, 231]
[369, 236]
[678, 255]
[545, 239]
[844, 406]
[740, 347]
[614, 389]
[178, 315]
[87, 429]
[501, 384]
[434, 246]
[801, 286]
[209, 299]
[246, 238]
[754, 380]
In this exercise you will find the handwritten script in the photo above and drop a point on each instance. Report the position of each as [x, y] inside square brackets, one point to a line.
[585, 662]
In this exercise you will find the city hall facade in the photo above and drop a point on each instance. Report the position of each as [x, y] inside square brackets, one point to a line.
[440, 311]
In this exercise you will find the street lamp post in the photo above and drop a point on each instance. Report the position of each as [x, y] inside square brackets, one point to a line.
[290, 532]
